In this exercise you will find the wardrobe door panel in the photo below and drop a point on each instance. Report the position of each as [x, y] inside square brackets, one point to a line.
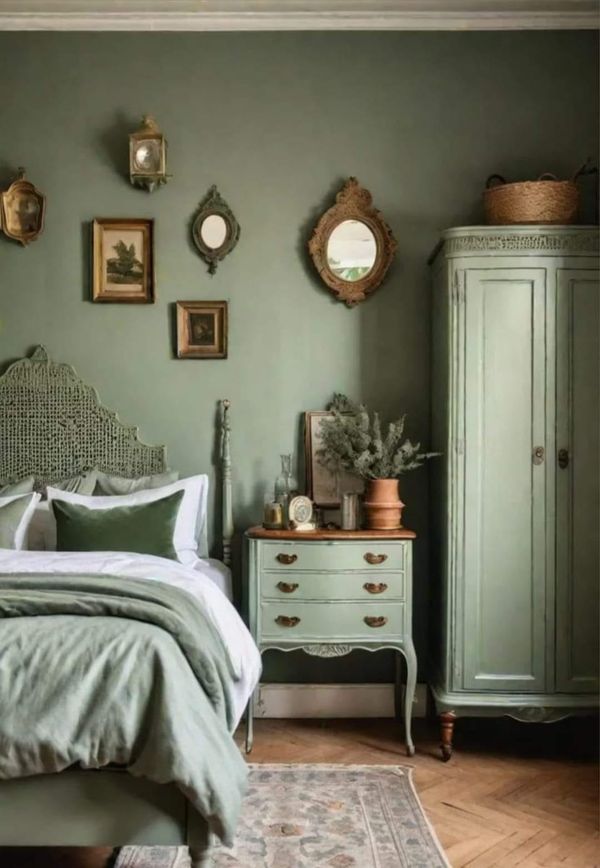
[578, 475]
[504, 507]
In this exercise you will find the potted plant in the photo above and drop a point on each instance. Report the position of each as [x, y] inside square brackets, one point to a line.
[353, 441]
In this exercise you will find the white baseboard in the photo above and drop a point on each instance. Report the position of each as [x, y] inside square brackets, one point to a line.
[332, 700]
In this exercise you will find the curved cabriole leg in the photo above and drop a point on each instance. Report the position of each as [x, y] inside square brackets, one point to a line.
[447, 719]
[409, 694]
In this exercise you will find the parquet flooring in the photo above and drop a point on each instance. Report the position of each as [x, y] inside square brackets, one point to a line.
[513, 794]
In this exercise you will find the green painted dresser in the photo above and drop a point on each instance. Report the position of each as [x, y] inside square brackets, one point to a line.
[516, 497]
[331, 592]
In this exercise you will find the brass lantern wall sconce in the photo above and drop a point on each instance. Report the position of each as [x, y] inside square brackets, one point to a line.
[22, 210]
[148, 156]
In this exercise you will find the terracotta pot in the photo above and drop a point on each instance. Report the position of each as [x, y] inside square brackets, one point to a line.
[383, 507]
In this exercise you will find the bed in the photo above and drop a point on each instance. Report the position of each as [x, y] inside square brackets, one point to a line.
[53, 427]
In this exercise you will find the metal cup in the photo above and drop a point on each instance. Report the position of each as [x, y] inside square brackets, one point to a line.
[350, 510]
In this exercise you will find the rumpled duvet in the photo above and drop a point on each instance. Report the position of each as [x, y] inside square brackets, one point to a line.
[98, 670]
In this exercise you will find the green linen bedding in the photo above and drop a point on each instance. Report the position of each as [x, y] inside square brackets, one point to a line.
[98, 669]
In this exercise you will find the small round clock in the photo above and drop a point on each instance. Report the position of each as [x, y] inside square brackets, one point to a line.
[300, 513]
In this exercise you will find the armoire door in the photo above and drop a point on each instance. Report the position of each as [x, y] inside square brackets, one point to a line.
[504, 414]
[577, 481]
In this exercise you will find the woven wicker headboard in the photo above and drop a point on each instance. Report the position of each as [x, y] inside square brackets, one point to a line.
[53, 426]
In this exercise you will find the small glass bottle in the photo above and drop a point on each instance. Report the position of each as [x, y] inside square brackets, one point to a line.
[286, 485]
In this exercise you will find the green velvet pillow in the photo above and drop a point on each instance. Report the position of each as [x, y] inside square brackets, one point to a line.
[147, 528]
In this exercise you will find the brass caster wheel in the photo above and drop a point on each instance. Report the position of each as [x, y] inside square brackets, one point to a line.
[446, 752]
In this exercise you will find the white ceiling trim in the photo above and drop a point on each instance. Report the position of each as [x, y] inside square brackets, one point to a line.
[278, 15]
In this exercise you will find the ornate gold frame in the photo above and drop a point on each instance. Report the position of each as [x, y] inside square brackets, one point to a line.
[353, 202]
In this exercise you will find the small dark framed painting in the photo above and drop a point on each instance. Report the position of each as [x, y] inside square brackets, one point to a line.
[202, 329]
[123, 260]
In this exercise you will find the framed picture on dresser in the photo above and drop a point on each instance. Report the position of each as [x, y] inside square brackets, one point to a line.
[322, 486]
[123, 260]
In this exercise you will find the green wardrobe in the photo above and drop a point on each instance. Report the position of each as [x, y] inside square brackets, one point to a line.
[515, 407]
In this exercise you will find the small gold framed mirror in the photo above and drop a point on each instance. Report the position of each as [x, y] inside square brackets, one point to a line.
[352, 246]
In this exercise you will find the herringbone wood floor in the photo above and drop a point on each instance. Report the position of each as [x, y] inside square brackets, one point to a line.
[512, 795]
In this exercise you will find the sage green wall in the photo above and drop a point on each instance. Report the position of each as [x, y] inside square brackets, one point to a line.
[277, 121]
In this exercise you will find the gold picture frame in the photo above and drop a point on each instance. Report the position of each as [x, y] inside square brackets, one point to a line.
[202, 329]
[323, 487]
[123, 260]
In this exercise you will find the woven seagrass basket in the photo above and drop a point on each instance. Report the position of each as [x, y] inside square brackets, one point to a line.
[546, 200]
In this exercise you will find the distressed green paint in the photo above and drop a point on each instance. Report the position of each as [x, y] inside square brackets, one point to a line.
[515, 381]
[277, 121]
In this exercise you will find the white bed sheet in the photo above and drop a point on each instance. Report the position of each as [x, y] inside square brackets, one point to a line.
[218, 573]
[203, 581]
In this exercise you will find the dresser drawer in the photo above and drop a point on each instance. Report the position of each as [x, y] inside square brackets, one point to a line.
[331, 622]
[332, 586]
[367, 555]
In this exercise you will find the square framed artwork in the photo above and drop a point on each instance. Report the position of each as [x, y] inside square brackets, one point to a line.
[322, 486]
[202, 329]
[123, 260]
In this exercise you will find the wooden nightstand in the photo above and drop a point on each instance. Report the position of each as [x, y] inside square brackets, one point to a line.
[330, 592]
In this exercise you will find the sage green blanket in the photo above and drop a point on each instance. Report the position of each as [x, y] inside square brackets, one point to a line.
[97, 670]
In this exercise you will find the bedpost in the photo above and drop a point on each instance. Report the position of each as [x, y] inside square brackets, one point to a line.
[227, 500]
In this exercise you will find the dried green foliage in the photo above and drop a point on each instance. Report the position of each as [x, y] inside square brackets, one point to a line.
[353, 441]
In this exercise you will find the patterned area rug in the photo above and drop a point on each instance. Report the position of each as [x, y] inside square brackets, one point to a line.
[319, 816]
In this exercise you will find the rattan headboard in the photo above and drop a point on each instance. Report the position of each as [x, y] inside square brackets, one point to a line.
[53, 426]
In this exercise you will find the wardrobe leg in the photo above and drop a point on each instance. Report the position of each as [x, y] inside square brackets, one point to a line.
[447, 719]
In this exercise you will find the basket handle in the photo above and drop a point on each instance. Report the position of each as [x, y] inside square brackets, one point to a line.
[547, 176]
[493, 178]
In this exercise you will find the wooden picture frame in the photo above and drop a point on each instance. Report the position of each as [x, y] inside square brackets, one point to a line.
[202, 329]
[123, 260]
[323, 487]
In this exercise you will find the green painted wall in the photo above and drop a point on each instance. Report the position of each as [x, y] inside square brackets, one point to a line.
[277, 121]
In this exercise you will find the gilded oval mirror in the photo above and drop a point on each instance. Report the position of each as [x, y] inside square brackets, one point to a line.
[352, 246]
[215, 231]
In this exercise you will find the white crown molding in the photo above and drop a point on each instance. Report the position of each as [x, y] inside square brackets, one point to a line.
[278, 15]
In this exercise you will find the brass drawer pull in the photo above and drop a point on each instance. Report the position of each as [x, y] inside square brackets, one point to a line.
[375, 589]
[286, 621]
[375, 559]
[287, 559]
[287, 587]
[373, 621]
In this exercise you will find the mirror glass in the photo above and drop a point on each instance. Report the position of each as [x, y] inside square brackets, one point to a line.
[351, 250]
[213, 231]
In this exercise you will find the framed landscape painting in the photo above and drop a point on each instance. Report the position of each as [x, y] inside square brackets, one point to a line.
[322, 486]
[123, 260]
[202, 329]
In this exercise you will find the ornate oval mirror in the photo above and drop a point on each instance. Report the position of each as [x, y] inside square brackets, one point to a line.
[352, 246]
[215, 231]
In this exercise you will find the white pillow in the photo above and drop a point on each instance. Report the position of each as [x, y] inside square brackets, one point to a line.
[42, 529]
[20, 532]
[185, 539]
